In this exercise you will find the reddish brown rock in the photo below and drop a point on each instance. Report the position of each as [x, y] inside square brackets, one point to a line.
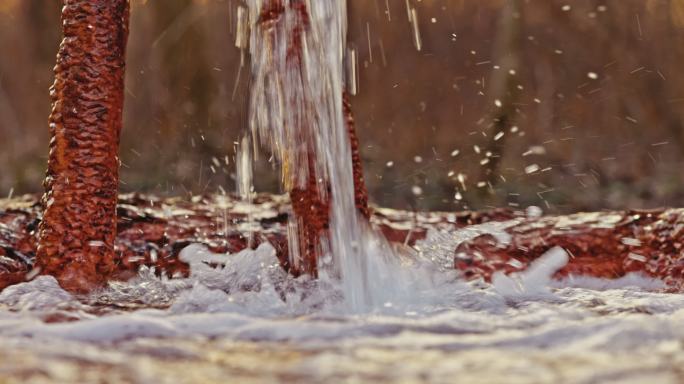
[77, 233]
[600, 244]
[360, 191]
[152, 231]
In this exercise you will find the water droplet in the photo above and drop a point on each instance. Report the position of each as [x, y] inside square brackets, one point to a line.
[532, 168]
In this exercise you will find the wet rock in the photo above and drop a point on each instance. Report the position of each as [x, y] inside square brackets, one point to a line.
[152, 231]
[77, 233]
[600, 244]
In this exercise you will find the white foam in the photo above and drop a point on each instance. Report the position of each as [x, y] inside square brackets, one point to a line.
[525, 319]
[635, 280]
[41, 293]
[533, 282]
[248, 289]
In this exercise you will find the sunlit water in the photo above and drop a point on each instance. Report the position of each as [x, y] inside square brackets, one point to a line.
[241, 317]
[298, 79]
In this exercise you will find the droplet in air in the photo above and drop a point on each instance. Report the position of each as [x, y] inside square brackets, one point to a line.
[532, 168]
[413, 19]
[352, 71]
[533, 211]
[535, 150]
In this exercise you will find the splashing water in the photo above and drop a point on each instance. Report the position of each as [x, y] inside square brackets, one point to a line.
[241, 317]
[298, 69]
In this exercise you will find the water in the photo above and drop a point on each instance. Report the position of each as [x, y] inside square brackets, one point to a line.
[245, 319]
[298, 69]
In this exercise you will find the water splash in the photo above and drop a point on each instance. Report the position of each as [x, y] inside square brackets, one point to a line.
[534, 282]
[298, 66]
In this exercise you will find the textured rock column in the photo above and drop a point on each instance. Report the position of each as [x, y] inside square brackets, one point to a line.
[76, 235]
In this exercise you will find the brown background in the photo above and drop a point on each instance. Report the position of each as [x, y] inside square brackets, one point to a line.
[611, 140]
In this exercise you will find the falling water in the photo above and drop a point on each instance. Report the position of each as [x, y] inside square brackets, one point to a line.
[296, 112]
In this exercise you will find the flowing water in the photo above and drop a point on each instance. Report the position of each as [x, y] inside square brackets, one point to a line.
[298, 69]
[241, 318]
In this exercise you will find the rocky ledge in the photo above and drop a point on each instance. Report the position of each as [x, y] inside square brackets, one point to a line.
[153, 230]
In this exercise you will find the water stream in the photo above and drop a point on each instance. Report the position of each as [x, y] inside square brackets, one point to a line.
[296, 112]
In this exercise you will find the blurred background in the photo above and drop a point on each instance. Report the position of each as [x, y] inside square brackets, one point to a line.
[462, 104]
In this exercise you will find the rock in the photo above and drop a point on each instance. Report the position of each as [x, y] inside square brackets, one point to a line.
[152, 231]
[600, 244]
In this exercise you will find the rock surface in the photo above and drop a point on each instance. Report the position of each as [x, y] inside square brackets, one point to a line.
[153, 230]
[81, 185]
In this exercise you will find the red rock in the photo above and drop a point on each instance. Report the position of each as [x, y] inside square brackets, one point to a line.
[77, 233]
[152, 231]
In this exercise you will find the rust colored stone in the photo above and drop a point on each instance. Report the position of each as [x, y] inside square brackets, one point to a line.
[312, 213]
[606, 245]
[360, 191]
[152, 232]
[77, 233]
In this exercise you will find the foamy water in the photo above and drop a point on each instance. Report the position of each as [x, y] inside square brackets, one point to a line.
[244, 318]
